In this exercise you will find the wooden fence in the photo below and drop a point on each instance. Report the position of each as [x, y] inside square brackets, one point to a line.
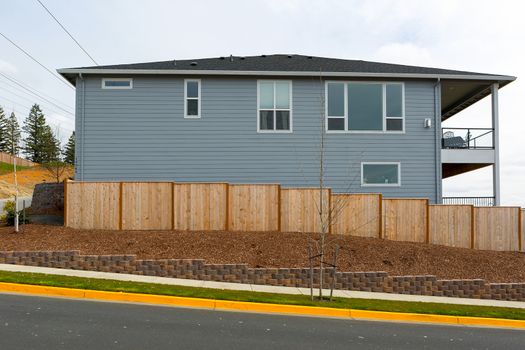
[7, 158]
[235, 207]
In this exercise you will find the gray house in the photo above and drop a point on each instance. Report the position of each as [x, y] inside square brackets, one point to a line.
[260, 119]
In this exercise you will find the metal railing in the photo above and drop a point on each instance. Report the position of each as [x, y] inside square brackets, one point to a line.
[467, 138]
[475, 201]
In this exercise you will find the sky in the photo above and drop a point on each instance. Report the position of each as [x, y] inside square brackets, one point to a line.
[479, 36]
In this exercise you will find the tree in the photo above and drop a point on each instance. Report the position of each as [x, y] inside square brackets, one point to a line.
[69, 150]
[13, 135]
[41, 145]
[4, 140]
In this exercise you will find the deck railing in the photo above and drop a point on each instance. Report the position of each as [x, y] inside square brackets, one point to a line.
[467, 138]
[475, 201]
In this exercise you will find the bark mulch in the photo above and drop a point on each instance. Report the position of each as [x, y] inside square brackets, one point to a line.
[263, 249]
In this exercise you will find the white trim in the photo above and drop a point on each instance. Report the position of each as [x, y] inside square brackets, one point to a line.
[398, 184]
[286, 73]
[103, 84]
[186, 98]
[290, 108]
[383, 88]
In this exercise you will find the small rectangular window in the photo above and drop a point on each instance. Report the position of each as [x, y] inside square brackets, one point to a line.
[336, 106]
[274, 106]
[192, 98]
[117, 83]
[380, 174]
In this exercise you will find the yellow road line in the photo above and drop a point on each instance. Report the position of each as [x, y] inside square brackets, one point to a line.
[257, 307]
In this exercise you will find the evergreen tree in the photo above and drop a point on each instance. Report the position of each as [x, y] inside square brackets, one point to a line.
[50, 146]
[4, 138]
[13, 135]
[37, 138]
[69, 150]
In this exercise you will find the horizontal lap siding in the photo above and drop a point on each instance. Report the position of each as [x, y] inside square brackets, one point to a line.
[141, 135]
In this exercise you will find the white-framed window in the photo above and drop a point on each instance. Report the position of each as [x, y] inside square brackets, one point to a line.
[117, 83]
[381, 174]
[192, 98]
[274, 106]
[365, 107]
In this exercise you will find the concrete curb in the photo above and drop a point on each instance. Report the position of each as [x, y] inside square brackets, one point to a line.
[256, 307]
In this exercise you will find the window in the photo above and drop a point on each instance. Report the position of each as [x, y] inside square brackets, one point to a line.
[274, 113]
[380, 174]
[364, 107]
[192, 98]
[117, 83]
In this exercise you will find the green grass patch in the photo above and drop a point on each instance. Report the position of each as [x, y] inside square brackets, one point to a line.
[344, 303]
[6, 168]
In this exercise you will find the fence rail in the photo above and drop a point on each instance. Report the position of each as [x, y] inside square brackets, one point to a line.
[264, 208]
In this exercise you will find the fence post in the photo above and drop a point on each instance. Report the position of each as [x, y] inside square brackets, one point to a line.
[120, 205]
[427, 236]
[173, 206]
[279, 206]
[227, 216]
[381, 216]
[65, 203]
[520, 228]
[472, 226]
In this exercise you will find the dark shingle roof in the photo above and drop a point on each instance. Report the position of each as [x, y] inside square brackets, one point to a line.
[280, 63]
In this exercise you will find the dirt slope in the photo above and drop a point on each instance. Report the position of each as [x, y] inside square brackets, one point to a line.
[27, 179]
[263, 249]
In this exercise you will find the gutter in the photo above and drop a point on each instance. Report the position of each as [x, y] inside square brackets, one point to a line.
[65, 71]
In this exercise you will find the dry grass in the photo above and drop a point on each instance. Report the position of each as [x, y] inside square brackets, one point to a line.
[27, 179]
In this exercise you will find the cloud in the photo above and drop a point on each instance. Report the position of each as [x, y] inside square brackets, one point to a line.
[404, 53]
[7, 67]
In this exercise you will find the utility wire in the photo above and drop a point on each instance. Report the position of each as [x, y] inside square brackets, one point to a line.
[68, 33]
[33, 93]
[14, 102]
[35, 60]
[31, 101]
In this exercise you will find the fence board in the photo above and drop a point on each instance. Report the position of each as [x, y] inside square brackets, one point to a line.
[93, 205]
[200, 206]
[7, 158]
[300, 209]
[496, 228]
[147, 205]
[450, 225]
[405, 219]
[356, 214]
[253, 207]
[522, 233]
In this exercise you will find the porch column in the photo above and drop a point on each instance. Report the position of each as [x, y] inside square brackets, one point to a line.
[495, 140]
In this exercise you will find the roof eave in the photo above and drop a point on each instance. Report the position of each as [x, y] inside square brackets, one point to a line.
[69, 71]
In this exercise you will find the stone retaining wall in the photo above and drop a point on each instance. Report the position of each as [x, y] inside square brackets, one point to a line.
[289, 277]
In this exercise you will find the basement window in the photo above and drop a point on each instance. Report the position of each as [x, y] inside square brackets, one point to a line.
[380, 174]
[117, 83]
[274, 112]
[192, 98]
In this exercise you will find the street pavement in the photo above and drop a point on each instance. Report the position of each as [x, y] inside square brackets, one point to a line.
[30, 322]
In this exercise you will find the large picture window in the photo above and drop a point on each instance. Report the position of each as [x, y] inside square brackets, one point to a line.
[364, 107]
[274, 111]
[380, 174]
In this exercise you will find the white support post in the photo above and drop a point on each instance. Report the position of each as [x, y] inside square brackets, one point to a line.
[495, 140]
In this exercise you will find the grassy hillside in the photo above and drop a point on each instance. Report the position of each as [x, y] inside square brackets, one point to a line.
[6, 168]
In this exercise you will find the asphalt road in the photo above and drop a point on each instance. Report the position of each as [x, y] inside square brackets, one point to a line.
[28, 322]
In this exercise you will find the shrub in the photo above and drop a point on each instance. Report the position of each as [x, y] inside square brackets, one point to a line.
[9, 215]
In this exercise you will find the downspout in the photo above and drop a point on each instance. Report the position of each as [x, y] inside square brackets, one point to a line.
[82, 126]
[437, 143]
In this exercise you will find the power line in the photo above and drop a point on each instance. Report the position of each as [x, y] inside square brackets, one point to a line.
[31, 89]
[68, 33]
[37, 61]
[31, 101]
[16, 103]
[34, 93]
